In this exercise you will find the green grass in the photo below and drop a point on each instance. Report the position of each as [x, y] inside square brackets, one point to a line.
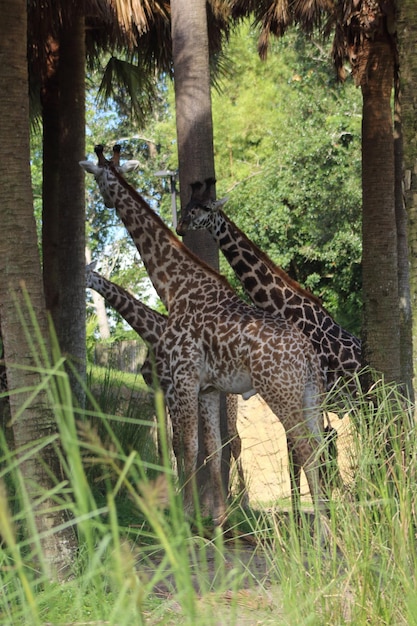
[129, 415]
[141, 561]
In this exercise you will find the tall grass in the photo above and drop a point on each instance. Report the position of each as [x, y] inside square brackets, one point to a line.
[140, 561]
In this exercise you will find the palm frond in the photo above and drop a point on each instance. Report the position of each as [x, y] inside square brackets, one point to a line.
[274, 17]
[127, 82]
[138, 13]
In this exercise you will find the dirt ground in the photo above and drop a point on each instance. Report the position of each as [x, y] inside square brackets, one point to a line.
[265, 464]
[264, 451]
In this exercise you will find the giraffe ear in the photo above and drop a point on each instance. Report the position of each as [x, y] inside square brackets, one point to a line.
[89, 271]
[217, 204]
[90, 167]
[128, 166]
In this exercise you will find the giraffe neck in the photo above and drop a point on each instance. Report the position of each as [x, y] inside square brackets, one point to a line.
[271, 289]
[149, 324]
[172, 268]
[258, 274]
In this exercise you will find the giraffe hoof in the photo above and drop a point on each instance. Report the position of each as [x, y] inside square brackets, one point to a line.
[219, 519]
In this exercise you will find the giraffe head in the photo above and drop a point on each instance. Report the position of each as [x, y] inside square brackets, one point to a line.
[89, 273]
[104, 169]
[201, 208]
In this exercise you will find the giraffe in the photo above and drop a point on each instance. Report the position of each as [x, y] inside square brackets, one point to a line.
[271, 289]
[214, 341]
[150, 325]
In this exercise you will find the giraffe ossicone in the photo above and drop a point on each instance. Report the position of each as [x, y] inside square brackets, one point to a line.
[213, 341]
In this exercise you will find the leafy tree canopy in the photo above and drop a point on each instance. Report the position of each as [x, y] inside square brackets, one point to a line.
[287, 150]
[288, 156]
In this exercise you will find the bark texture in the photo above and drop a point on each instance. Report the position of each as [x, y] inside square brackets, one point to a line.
[20, 270]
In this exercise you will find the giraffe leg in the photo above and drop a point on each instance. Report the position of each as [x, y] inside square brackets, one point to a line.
[303, 432]
[210, 414]
[188, 410]
[294, 467]
[323, 534]
[236, 445]
[176, 436]
[171, 403]
[155, 376]
[307, 451]
[186, 442]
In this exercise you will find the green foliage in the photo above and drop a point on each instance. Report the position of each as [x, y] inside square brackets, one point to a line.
[131, 84]
[128, 414]
[36, 173]
[287, 140]
[141, 561]
[249, 113]
[110, 245]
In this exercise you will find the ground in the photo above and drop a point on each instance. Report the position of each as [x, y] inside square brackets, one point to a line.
[264, 451]
[265, 463]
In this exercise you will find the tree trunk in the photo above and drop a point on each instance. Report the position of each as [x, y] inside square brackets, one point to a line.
[100, 307]
[63, 99]
[5, 424]
[381, 320]
[71, 327]
[195, 146]
[407, 44]
[20, 263]
[404, 292]
[193, 110]
[50, 180]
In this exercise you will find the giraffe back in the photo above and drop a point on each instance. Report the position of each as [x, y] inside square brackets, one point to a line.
[271, 289]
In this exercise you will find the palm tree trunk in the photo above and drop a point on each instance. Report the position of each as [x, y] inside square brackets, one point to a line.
[381, 320]
[63, 235]
[5, 424]
[195, 147]
[404, 291]
[71, 252]
[193, 109]
[407, 43]
[20, 263]
[50, 179]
